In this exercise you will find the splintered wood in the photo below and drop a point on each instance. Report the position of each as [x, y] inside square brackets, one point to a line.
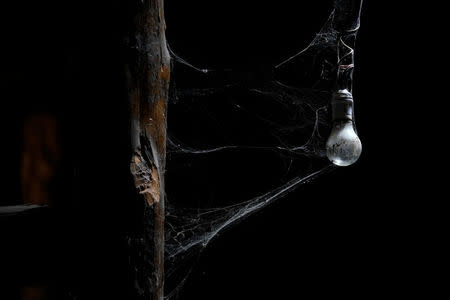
[146, 178]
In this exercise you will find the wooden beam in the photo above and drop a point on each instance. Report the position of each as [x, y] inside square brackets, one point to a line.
[148, 80]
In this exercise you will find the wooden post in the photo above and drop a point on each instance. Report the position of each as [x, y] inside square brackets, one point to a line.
[148, 78]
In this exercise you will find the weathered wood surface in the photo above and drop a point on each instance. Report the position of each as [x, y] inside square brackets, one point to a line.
[148, 79]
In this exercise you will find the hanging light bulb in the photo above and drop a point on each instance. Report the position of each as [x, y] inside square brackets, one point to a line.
[343, 145]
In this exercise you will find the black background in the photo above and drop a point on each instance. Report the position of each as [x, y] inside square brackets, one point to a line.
[346, 234]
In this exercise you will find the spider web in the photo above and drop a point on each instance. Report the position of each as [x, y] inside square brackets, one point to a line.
[238, 140]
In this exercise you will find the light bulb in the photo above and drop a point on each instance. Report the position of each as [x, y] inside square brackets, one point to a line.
[343, 144]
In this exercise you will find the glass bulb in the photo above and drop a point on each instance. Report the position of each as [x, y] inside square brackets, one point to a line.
[343, 145]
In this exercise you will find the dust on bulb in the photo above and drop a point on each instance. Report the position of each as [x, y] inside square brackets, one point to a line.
[343, 145]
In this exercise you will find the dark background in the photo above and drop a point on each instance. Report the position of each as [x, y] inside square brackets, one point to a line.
[346, 234]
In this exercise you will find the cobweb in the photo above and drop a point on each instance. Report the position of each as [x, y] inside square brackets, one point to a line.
[239, 140]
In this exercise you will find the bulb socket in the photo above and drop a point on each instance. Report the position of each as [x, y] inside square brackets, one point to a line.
[341, 106]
